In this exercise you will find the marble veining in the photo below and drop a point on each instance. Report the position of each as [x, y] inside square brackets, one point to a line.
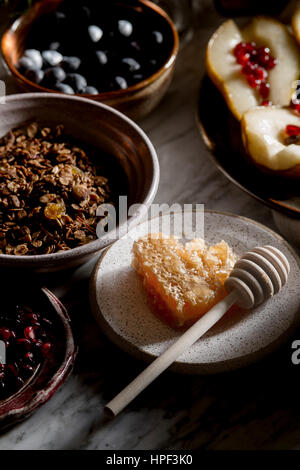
[254, 408]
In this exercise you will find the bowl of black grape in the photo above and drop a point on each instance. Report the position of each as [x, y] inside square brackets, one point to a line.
[37, 352]
[121, 53]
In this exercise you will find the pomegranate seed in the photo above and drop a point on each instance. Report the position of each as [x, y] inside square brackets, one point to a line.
[252, 81]
[263, 55]
[250, 47]
[243, 51]
[32, 317]
[239, 48]
[259, 73]
[29, 333]
[5, 333]
[266, 103]
[292, 130]
[295, 104]
[271, 63]
[243, 47]
[263, 60]
[14, 369]
[264, 89]
[248, 68]
[29, 357]
[243, 58]
[25, 343]
[46, 348]
[263, 50]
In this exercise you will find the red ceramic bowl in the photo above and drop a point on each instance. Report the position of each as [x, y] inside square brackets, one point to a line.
[136, 101]
[52, 373]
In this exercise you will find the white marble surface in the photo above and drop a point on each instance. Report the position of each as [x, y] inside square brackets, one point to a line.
[237, 411]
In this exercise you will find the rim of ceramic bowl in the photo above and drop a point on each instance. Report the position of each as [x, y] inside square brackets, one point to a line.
[109, 95]
[105, 240]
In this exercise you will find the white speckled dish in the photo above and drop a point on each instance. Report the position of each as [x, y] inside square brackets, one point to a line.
[120, 306]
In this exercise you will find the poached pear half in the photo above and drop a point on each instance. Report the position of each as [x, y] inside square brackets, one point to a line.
[263, 136]
[225, 72]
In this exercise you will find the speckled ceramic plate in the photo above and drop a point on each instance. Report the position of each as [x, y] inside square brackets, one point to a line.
[120, 306]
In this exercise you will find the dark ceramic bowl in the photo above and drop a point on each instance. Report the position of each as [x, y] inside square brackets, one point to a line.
[102, 127]
[56, 368]
[135, 101]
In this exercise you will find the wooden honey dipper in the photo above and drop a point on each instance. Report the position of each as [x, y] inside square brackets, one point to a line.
[256, 276]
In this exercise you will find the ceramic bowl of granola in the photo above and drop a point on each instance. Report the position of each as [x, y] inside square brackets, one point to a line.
[61, 159]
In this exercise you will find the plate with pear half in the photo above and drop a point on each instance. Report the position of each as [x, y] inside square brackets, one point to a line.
[249, 108]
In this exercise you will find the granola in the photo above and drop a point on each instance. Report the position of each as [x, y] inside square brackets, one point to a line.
[49, 192]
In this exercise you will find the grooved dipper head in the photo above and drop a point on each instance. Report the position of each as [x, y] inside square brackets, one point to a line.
[258, 275]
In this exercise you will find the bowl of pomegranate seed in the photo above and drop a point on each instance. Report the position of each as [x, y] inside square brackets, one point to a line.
[120, 53]
[37, 352]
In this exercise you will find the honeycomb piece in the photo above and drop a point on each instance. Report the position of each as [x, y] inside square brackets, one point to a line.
[182, 281]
